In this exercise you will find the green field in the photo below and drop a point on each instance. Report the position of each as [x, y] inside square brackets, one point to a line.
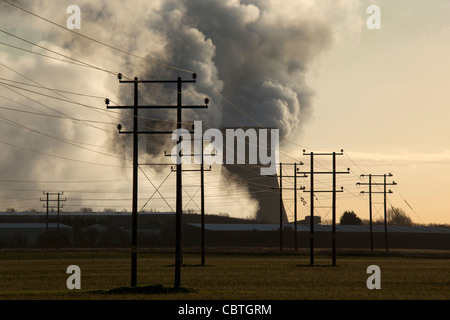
[267, 275]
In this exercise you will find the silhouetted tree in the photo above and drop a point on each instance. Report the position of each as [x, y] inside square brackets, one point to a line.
[398, 217]
[350, 217]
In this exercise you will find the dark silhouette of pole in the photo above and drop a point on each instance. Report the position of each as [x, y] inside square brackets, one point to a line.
[280, 188]
[135, 132]
[295, 207]
[202, 207]
[179, 207]
[384, 184]
[311, 222]
[385, 216]
[57, 228]
[46, 225]
[281, 206]
[370, 212]
[58, 206]
[333, 232]
[202, 201]
[312, 191]
[134, 211]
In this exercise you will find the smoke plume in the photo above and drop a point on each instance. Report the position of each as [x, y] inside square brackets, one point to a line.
[252, 59]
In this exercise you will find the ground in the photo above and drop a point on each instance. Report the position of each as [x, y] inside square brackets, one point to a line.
[228, 275]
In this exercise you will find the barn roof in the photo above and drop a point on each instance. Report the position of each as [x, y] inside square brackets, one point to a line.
[320, 228]
[32, 226]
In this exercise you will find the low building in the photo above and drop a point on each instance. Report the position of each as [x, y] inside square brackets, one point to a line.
[347, 236]
[26, 235]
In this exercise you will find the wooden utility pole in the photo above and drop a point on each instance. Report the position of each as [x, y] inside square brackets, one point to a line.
[58, 206]
[333, 191]
[384, 192]
[280, 188]
[136, 132]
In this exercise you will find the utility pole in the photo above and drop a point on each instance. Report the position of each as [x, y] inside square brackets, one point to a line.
[58, 207]
[281, 206]
[311, 217]
[202, 191]
[202, 200]
[295, 200]
[136, 132]
[202, 205]
[46, 219]
[384, 192]
[295, 207]
[333, 191]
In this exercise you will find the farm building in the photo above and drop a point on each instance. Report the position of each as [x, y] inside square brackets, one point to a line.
[347, 236]
[21, 235]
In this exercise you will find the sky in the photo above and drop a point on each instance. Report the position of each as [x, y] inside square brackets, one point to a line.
[313, 69]
[381, 96]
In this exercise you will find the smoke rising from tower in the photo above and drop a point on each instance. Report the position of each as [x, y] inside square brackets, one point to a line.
[256, 54]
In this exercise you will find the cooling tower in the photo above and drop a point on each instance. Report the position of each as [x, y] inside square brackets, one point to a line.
[262, 188]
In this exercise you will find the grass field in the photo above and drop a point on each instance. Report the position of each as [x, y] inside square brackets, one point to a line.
[228, 276]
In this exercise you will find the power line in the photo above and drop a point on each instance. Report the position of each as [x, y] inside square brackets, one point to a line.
[146, 59]
[59, 112]
[94, 40]
[59, 157]
[136, 132]
[78, 62]
[384, 192]
[53, 89]
[312, 191]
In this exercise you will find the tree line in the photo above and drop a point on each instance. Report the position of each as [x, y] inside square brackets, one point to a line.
[394, 216]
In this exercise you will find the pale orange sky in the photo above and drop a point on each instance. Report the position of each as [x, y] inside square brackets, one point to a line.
[382, 96]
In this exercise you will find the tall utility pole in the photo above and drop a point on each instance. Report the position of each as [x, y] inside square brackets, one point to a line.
[58, 207]
[281, 206]
[296, 173]
[46, 219]
[280, 188]
[136, 132]
[202, 206]
[384, 192]
[202, 192]
[333, 191]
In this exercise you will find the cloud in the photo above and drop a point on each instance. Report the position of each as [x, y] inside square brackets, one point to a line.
[257, 54]
[366, 159]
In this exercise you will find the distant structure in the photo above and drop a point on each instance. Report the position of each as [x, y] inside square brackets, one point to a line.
[263, 189]
[317, 220]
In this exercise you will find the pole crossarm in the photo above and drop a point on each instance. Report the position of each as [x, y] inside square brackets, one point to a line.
[323, 153]
[393, 183]
[385, 192]
[324, 191]
[48, 206]
[300, 188]
[179, 209]
[146, 132]
[328, 172]
[363, 192]
[193, 80]
[312, 192]
[192, 170]
[159, 107]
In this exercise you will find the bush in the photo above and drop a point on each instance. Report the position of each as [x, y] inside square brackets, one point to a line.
[350, 218]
